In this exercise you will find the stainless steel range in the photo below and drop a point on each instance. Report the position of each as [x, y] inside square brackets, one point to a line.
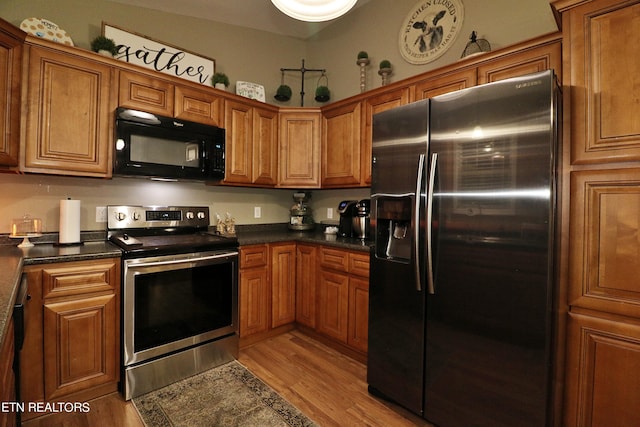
[180, 294]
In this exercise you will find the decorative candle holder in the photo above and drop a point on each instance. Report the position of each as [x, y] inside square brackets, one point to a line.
[363, 62]
[385, 73]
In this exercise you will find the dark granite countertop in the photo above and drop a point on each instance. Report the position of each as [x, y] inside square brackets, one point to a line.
[272, 233]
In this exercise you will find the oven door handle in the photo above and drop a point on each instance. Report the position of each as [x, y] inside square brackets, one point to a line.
[184, 260]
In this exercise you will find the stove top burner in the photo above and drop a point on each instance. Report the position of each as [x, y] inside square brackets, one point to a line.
[149, 231]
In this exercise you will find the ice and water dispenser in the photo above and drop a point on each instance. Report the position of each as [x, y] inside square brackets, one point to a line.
[393, 228]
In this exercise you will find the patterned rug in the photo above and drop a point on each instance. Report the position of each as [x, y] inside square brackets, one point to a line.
[228, 395]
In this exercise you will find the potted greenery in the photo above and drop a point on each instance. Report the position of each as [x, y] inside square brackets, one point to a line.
[385, 71]
[322, 94]
[104, 46]
[220, 81]
[283, 93]
[363, 58]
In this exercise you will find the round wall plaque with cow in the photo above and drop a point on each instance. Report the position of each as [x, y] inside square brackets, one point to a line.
[430, 29]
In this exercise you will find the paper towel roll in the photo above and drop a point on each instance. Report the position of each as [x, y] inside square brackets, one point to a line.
[69, 221]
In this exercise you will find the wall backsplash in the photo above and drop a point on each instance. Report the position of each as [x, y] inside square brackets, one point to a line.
[40, 195]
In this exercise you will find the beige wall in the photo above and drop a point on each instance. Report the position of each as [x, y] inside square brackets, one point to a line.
[254, 56]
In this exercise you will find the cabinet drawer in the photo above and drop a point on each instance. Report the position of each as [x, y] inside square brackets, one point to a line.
[359, 264]
[254, 256]
[145, 93]
[335, 259]
[79, 278]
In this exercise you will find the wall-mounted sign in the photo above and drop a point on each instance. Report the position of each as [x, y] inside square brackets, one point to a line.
[159, 56]
[430, 29]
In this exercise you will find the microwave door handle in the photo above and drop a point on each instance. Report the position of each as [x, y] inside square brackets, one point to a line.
[416, 227]
[432, 175]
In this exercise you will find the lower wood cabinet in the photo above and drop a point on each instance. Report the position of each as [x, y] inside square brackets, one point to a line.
[72, 340]
[603, 362]
[7, 377]
[343, 296]
[324, 289]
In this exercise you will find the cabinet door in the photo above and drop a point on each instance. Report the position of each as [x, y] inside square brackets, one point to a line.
[32, 379]
[80, 344]
[198, 106]
[255, 301]
[69, 115]
[373, 105]
[7, 377]
[439, 85]
[283, 284]
[333, 304]
[358, 313]
[299, 153]
[541, 58]
[10, 84]
[604, 250]
[341, 145]
[146, 93]
[604, 87]
[238, 119]
[265, 147]
[603, 360]
[306, 277]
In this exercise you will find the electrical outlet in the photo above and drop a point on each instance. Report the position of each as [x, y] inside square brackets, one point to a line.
[101, 214]
[329, 213]
[257, 212]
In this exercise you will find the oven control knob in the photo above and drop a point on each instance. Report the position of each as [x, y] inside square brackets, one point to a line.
[189, 215]
[201, 215]
[121, 216]
[135, 215]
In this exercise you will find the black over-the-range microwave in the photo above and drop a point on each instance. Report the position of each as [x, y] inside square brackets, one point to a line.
[163, 147]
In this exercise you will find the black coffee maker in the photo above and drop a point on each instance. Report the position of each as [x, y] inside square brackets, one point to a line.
[347, 211]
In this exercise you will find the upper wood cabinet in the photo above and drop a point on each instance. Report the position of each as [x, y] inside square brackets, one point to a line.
[69, 112]
[299, 150]
[600, 48]
[341, 146]
[252, 144]
[526, 61]
[11, 40]
[165, 98]
[445, 83]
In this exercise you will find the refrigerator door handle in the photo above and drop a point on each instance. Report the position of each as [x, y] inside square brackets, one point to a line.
[416, 227]
[432, 175]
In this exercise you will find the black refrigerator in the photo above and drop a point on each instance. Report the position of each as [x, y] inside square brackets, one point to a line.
[461, 292]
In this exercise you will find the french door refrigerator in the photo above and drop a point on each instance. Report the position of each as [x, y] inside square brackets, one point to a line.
[461, 288]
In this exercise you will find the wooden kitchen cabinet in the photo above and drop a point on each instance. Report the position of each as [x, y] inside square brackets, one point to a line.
[7, 377]
[11, 40]
[602, 386]
[255, 290]
[283, 283]
[373, 105]
[299, 148]
[69, 112]
[342, 155]
[343, 296]
[252, 144]
[306, 277]
[450, 82]
[604, 94]
[72, 340]
[165, 98]
[526, 61]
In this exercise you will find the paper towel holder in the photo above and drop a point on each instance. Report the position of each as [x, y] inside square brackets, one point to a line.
[64, 224]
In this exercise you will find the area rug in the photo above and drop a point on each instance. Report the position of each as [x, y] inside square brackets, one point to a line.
[228, 395]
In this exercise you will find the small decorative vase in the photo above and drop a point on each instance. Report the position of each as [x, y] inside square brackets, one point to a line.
[385, 73]
[220, 86]
[363, 62]
[105, 52]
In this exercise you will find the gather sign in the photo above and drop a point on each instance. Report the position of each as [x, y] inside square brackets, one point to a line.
[159, 56]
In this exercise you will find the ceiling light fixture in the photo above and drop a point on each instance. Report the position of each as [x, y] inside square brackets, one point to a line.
[314, 10]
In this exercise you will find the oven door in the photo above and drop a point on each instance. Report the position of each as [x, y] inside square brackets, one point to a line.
[176, 301]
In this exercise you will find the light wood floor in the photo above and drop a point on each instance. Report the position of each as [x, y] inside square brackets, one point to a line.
[325, 385]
